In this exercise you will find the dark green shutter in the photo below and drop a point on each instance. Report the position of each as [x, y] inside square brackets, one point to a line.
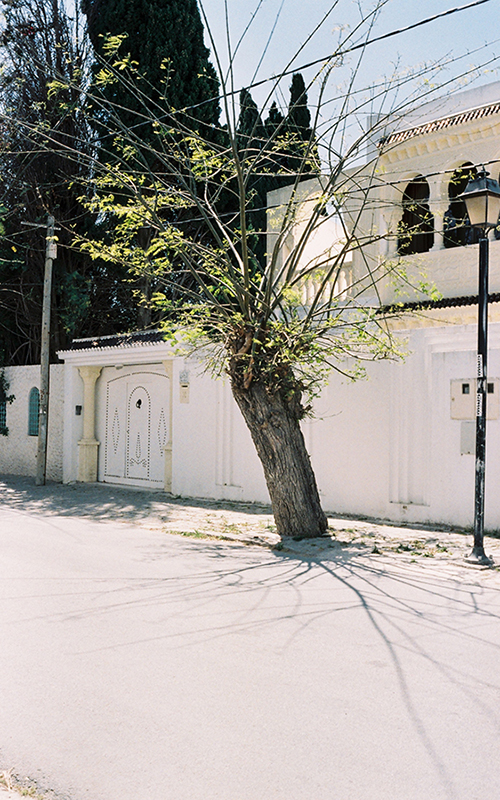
[33, 409]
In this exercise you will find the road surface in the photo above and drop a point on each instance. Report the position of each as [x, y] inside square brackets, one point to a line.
[137, 665]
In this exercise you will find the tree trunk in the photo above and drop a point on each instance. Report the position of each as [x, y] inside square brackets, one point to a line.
[274, 426]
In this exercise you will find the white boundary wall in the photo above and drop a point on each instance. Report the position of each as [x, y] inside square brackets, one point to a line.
[386, 447]
[212, 452]
[389, 446]
[18, 450]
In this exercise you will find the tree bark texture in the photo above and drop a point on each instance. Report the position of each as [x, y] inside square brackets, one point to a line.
[274, 426]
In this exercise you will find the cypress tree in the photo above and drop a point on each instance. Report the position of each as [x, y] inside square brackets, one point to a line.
[298, 130]
[170, 80]
[274, 119]
[250, 128]
[165, 39]
[299, 116]
[278, 163]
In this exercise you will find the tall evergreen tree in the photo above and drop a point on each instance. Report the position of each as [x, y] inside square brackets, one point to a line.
[165, 83]
[164, 38]
[281, 144]
[251, 133]
[299, 116]
[274, 120]
[300, 147]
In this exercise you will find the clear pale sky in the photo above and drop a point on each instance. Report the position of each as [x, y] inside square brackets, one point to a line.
[456, 35]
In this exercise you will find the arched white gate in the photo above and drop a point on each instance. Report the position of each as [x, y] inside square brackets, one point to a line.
[134, 425]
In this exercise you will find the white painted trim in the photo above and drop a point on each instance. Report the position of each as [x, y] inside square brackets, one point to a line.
[147, 353]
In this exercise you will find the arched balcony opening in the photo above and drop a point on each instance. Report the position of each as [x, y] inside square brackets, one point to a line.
[416, 227]
[457, 230]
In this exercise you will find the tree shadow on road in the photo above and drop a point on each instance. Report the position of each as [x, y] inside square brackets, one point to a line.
[101, 501]
[406, 606]
[400, 607]
[403, 607]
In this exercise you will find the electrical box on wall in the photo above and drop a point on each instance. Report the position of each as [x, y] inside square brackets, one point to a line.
[463, 398]
[467, 437]
[184, 386]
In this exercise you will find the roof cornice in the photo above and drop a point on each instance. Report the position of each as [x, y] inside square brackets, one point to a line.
[398, 137]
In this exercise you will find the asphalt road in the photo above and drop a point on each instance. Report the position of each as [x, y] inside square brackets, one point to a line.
[136, 665]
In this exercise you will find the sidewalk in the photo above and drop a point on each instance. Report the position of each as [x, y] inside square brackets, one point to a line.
[6, 780]
[243, 523]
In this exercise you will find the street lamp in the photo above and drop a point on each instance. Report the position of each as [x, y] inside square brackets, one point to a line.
[482, 200]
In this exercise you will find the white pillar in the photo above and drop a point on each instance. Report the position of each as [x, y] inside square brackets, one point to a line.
[391, 211]
[88, 446]
[438, 203]
[167, 447]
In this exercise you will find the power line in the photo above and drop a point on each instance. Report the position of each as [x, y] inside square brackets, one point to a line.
[379, 38]
[340, 53]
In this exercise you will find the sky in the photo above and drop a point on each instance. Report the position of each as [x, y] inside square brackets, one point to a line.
[272, 35]
[472, 35]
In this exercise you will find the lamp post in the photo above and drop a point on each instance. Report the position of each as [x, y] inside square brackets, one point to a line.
[482, 200]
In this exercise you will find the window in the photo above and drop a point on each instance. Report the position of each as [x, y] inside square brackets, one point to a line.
[33, 410]
[416, 227]
[457, 228]
[3, 418]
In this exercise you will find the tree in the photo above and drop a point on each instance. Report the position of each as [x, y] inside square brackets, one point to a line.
[250, 129]
[150, 62]
[291, 140]
[299, 116]
[274, 327]
[274, 120]
[165, 39]
[42, 90]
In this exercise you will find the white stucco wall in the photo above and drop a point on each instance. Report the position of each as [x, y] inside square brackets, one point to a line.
[386, 446]
[434, 154]
[213, 454]
[18, 450]
[322, 246]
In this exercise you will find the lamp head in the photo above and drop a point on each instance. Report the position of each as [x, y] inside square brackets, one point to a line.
[482, 199]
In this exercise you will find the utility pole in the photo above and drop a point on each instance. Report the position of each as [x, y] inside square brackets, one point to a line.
[43, 415]
[41, 454]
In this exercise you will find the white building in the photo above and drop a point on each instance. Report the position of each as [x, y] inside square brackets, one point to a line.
[398, 445]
